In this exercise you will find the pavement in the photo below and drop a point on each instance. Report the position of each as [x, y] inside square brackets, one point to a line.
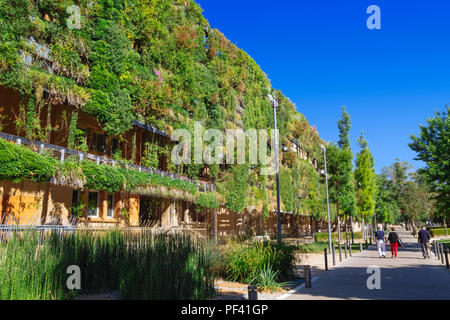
[409, 277]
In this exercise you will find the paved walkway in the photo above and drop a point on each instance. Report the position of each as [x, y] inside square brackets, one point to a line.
[408, 277]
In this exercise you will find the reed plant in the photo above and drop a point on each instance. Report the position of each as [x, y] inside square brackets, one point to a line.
[138, 266]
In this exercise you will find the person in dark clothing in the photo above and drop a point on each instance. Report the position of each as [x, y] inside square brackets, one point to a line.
[393, 242]
[424, 239]
[379, 238]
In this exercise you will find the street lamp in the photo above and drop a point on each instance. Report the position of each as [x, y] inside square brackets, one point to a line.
[274, 103]
[330, 243]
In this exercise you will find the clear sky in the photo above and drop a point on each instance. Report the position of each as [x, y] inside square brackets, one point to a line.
[322, 56]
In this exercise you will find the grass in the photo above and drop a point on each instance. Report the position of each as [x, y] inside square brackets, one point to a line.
[139, 266]
[318, 247]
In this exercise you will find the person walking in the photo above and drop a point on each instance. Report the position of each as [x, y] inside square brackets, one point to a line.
[393, 242]
[424, 239]
[379, 238]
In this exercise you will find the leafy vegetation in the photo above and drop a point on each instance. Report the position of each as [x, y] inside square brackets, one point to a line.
[158, 62]
[323, 236]
[244, 262]
[18, 163]
[207, 201]
[433, 147]
[108, 263]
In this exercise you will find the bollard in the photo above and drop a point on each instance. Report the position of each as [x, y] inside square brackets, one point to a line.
[436, 249]
[350, 249]
[345, 249]
[360, 247]
[367, 245]
[307, 275]
[326, 258]
[334, 258]
[340, 252]
[252, 293]
[446, 258]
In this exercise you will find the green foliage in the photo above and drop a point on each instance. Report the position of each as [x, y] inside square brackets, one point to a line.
[386, 208]
[341, 181]
[150, 157]
[245, 262]
[438, 232]
[155, 61]
[134, 179]
[323, 236]
[108, 263]
[102, 177]
[266, 279]
[286, 189]
[234, 188]
[318, 247]
[365, 181]
[433, 148]
[18, 163]
[207, 201]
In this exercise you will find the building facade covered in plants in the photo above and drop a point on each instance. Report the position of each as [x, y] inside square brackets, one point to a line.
[90, 92]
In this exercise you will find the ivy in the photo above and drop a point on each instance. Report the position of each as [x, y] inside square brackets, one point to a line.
[18, 163]
[207, 201]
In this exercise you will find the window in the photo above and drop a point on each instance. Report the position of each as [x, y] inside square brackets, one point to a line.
[99, 142]
[110, 210]
[77, 208]
[93, 204]
[115, 148]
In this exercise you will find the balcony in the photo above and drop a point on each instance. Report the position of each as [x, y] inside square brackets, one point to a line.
[60, 153]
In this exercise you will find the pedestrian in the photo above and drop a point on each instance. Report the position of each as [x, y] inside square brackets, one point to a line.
[424, 239]
[393, 242]
[379, 238]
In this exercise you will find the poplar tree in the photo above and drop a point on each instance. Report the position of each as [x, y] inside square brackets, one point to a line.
[366, 181]
[340, 166]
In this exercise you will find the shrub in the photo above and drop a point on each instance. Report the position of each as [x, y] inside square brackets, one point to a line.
[102, 177]
[438, 232]
[323, 236]
[207, 201]
[245, 262]
[266, 279]
[18, 163]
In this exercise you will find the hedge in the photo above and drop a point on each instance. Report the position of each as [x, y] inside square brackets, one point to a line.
[438, 232]
[18, 163]
[323, 236]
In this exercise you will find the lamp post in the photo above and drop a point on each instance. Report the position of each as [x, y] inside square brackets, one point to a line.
[274, 103]
[330, 243]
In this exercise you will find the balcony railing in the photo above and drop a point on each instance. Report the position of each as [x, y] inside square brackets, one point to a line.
[61, 153]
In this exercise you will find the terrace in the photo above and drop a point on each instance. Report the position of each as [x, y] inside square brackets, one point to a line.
[61, 153]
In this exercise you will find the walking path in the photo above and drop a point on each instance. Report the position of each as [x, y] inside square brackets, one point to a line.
[408, 277]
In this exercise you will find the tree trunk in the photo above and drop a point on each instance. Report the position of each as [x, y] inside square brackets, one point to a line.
[346, 229]
[413, 225]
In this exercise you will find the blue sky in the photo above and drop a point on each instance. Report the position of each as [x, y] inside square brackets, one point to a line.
[322, 56]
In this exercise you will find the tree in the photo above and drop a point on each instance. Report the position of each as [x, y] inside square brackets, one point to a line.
[409, 191]
[366, 182]
[386, 208]
[340, 166]
[433, 148]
